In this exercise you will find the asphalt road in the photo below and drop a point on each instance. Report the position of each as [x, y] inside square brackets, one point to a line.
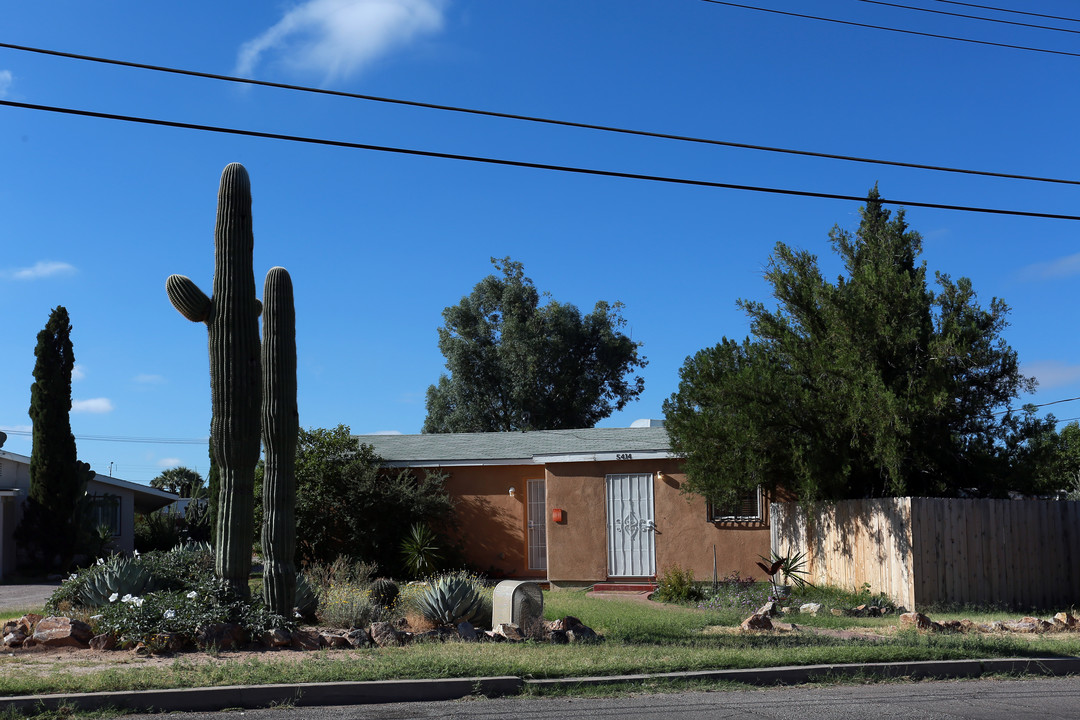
[994, 699]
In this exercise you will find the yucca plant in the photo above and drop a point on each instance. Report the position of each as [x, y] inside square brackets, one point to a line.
[117, 576]
[451, 599]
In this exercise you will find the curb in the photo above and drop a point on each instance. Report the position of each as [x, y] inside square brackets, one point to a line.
[391, 691]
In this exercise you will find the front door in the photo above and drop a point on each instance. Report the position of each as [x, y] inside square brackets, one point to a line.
[631, 546]
[537, 519]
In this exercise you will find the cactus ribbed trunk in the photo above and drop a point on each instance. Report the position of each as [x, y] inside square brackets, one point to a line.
[231, 316]
[281, 425]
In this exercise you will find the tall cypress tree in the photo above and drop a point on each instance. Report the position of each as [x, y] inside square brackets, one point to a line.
[52, 519]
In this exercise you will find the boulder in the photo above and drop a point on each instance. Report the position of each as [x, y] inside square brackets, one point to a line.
[359, 638]
[1021, 626]
[466, 632]
[768, 609]
[558, 637]
[916, 620]
[810, 608]
[223, 636]
[105, 641]
[1065, 621]
[757, 621]
[512, 632]
[582, 634]
[277, 637]
[384, 634]
[62, 632]
[14, 637]
[334, 640]
[307, 639]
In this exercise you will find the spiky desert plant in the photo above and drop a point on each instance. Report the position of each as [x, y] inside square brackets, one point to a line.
[280, 427]
[384, 592]
[231, 315]
[451, 599]
[117, 576]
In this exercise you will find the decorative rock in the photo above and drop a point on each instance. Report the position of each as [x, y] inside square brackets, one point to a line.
[788, 610]
[968, 626]
[769, 609]
[14, 638]
[860, 611]
[582, 634]
[1040, 624]
[511, 631]
[952, 625]
[106, 641]
[307, 640]
[838, 612]
[335, 641]
[1021, 626]
[494, 636]
[811, 608]
[916, 620]
[358, 638]
[558, 637]
[223, 636]
[757, 621]
[277, 637]
[62, 632]
[1065, 621]
[874, 611]
[466, 632]
[383, 634]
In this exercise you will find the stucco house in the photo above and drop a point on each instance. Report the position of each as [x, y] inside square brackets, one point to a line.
[581, 507]
[116, 502]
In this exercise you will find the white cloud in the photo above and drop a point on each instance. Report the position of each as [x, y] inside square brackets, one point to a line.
[77, 373]
[169, 462]
[1059, 268]
[149, 379]
[39, 270]
[337, 38]
[93, 405]
[6, 78]
[1052, 373]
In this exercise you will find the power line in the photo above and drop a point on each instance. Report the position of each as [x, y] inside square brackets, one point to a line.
[125, 439]
[969, 17]
[896, 30]
[525, 164]
[532, 118]
[1007, 10]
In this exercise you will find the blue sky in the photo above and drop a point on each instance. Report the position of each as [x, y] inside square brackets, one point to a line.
[95, 214]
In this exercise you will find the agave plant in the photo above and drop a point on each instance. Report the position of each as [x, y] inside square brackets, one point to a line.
[117, 576]
[450, 600]
[307, 600]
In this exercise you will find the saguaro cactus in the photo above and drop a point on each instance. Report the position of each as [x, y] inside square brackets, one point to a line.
[232, 319]
[281, 425]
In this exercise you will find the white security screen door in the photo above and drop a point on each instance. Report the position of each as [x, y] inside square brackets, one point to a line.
[631, 546]
[537, 517]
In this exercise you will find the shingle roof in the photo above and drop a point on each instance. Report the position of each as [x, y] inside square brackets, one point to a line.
[527, 447]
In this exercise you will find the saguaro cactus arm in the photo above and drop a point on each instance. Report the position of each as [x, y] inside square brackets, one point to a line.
[188, 299]
[281, 425]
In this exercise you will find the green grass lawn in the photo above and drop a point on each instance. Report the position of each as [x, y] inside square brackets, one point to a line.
[639, 638]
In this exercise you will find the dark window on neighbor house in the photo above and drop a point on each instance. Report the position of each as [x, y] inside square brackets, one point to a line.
[747, 509]
[105, 510]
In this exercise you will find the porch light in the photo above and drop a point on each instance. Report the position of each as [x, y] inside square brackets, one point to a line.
[512, 491]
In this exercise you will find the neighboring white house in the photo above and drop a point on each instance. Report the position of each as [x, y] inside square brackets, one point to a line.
[116, 502]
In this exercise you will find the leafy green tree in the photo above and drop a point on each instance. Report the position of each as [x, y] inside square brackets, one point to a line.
[515, 364]
[180, 480]
[870, 386]
[55, 512]
[348, 505]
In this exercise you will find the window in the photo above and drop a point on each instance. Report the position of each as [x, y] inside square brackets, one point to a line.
[747, 509]
[105, 510]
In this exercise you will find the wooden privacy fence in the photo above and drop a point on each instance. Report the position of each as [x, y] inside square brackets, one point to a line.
[919, 551]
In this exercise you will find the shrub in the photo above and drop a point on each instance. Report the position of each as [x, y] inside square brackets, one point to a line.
[349, 605]
[158, 530]
[678, 586]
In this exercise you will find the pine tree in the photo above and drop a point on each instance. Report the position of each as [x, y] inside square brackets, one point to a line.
[53, 517]
[867, 387]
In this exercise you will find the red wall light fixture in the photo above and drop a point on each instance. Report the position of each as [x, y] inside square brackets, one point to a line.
[557, 515]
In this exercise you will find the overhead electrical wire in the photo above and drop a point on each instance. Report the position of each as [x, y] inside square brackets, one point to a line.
[1009, 10]
[852, 23]
[534, 119]
[125, 439]
[525, 164]
[969, 17]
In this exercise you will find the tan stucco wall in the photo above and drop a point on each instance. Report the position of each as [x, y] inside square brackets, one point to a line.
[491, 525]
[577, 548]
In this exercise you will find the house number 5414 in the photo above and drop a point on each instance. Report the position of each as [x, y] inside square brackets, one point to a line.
[623, 456]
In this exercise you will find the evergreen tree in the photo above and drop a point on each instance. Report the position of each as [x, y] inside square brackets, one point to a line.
[55, 512]
[867, 387]
[515, 364]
